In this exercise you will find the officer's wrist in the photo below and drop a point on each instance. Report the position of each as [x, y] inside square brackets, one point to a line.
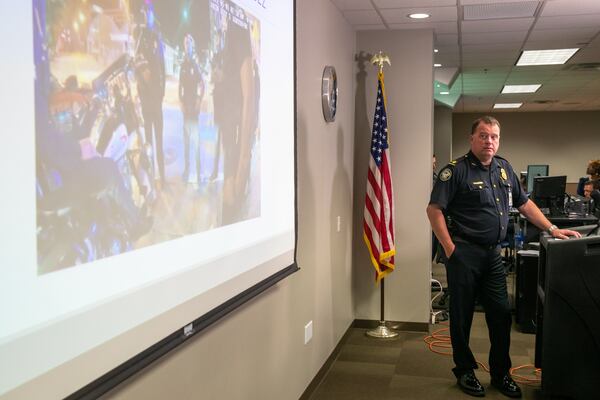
[551, 229]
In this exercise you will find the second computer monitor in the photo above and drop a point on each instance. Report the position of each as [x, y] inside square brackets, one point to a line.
[533, 171]
[549, 193]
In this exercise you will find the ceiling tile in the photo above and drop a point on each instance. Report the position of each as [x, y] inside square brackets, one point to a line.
[570, 7]
[477, 48]
[446, 40]
[362, 17]
[579, 34]
[497, 25]
[353, 4]
[551, 44]
[485, 63]
[471, 2]
[587, 55]
[568, 22]
[438, 27]
[370, 27]
[494, 37]
[451, 49]
[412, 3]
[511, 54]
[438, 14]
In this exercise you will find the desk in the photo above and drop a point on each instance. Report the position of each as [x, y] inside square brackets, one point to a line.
[532, 234]
[567, 344]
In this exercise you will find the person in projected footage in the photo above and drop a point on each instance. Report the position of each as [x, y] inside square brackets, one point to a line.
[150, 70]
[191, 91]
[237, 96]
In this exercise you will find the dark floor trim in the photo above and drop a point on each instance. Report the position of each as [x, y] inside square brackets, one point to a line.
[362, 324]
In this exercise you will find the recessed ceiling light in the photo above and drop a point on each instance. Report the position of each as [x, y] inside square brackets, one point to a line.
[545, 57]
[508, 105]
[444, 92]
[418, 16]
[521, 88]
[435, 50]
[437, 65]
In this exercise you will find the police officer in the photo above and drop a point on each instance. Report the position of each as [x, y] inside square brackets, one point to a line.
[476, 192]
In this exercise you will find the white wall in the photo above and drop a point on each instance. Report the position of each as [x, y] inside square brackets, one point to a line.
[409, 89]
[564, 140]
[258, 351]
[442, 135]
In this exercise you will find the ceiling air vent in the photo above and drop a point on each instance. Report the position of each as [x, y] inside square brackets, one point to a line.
[521, 9]
[582, 67]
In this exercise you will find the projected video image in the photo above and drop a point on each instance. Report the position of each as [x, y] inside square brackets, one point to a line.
[147, 124]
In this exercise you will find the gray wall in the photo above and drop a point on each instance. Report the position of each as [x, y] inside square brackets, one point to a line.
[258, 351]
[564, 140]
[442, 135]
[409, 89]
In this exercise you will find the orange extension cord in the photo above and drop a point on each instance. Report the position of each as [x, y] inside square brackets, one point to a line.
[438, 340]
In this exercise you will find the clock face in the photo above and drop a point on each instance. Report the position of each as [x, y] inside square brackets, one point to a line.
[329, 93]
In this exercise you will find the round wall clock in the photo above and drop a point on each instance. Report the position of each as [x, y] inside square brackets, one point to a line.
[329, 93]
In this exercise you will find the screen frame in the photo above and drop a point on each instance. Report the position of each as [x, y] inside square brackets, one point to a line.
[129, 368]
[532, 170]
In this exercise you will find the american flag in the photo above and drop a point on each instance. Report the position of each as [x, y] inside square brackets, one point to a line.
[378, 224]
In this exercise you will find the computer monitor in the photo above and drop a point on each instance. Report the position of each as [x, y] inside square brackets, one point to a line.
[549, 193]
[533, 171]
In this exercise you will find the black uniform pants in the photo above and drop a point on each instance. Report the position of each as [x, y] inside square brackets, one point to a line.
[476, 272]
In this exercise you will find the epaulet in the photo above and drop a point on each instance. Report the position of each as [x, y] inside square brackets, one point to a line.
[456, 161]
[501, 158]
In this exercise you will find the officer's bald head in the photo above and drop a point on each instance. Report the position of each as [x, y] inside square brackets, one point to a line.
[486, 119]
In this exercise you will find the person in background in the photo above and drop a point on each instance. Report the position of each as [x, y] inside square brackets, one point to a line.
[191, 91]
[476, 192]
[588, 187]
[593, 173]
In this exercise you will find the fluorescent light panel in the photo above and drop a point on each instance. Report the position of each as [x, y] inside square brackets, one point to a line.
[545, 57]
[508, 105]
[521, 88]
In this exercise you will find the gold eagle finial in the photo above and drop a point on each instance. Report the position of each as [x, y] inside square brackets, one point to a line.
[380, 59]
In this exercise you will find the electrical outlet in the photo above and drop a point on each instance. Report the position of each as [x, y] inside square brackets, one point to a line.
[308, 332]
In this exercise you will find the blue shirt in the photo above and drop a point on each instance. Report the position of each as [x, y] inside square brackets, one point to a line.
[477, 198]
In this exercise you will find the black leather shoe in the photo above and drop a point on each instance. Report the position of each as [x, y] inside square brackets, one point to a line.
[469, 384]
[507, 386]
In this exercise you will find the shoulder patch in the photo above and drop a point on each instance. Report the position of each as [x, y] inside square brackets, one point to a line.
[445, 174]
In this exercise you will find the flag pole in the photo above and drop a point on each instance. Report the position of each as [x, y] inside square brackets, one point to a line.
[382, 331]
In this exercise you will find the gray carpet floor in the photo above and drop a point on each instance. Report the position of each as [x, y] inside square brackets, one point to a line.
[405, 367]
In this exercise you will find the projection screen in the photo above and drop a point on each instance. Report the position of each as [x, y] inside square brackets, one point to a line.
[149, 175]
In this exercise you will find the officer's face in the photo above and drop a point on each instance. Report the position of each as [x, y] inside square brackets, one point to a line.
[587, 191]
[485, 142]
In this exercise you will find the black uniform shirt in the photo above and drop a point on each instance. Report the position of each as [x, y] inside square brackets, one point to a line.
[477, 198]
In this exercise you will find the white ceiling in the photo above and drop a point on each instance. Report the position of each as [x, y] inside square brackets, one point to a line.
[484, 38]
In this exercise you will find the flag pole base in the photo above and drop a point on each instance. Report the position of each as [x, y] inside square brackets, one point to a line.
[382, 332]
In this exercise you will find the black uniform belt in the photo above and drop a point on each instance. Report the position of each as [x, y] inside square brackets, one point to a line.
[458, 239]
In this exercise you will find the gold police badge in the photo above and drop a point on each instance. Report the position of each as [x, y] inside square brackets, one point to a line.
[503, 174]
